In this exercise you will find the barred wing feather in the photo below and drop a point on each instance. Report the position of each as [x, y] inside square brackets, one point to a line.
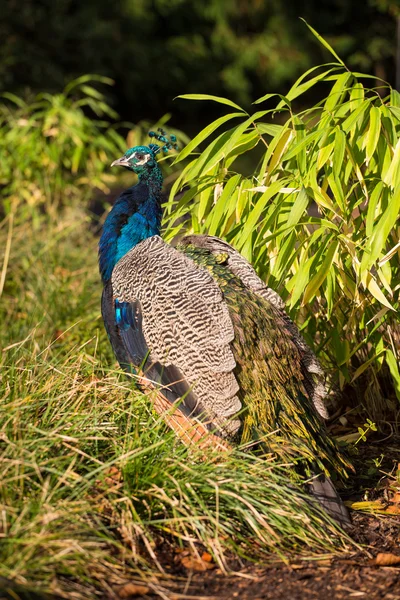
[184, 321]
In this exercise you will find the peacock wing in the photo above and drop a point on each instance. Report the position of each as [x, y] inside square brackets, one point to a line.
[313, 375]
[277, 390]
[170, 315]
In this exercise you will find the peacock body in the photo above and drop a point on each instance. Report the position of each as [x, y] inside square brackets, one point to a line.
[200, 327]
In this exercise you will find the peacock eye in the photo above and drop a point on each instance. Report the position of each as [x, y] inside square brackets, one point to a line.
[140, 156]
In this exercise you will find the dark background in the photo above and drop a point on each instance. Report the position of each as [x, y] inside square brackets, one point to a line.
[157, 49]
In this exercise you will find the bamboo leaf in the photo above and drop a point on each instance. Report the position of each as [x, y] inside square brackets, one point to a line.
[356, 115]
[324, 43]
[286, 251]
[299, 88]
[276, 150]
[218, 99]
[382, 229]
[296, 148]
[376, 291]
[325, 149]
[337, 92]
[341, 347]
[337, 189]
[338, 155]
[373, 132]
[365, 365]
[257, 210]
[391, 176]
[298, 208]
[394, 371]
[269, 128]
[268, 96]
[204, 134]
[223, 204]
[395, 98]
[318, 279]
[246, 142]
[300, 281]
[373, 201]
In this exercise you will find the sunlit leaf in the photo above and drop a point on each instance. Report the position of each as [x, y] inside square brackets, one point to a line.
[204, 134]
[376, 291]
[373, 132]
[269, 128]
[298, 207]
[338, 155]
[258, 208]
[326, 147]
[336, 94]
[324, 43]
[393, 365]
[391, 176]
[222, 206]
[217, 99]
[318, 279]
[302, 86]
[297, 147]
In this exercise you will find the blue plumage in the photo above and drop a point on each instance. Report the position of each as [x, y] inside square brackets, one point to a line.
[136, 215]
[123, 315]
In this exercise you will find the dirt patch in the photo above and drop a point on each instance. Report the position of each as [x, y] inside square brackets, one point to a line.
[356, 576]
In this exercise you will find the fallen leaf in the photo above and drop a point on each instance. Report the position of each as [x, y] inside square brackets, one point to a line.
[367, 505]
[375, 507]
[132, 590]
[386, 559]
[392, 509]
[57, 333]
[396, 498]
[112, 477]
[196, 564]
[206, 556]
[349, 438]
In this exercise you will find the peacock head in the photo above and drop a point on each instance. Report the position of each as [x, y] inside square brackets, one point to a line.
[137, 159]
[142, 159]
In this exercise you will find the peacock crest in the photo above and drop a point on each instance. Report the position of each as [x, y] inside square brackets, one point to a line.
[169, 141]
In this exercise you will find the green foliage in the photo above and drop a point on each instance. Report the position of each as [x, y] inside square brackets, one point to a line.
[92, 482]
[53, 152]
[318, 216]
[363, 431]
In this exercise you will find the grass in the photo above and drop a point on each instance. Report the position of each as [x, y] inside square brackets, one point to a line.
[93, 484]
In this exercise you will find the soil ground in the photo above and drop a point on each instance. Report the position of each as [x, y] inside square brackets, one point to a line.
[355, 576]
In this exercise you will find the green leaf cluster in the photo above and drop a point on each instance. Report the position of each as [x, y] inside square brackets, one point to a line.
[318, 216]
[53, 152]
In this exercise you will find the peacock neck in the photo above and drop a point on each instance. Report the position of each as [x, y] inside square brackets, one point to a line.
[135, 216]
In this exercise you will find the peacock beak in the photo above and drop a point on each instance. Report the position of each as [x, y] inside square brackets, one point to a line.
[121, 162]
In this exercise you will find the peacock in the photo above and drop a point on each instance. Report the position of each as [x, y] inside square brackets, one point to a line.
[196, 324]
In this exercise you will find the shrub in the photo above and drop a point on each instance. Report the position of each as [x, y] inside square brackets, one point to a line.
[318, 216]
[53, 151]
